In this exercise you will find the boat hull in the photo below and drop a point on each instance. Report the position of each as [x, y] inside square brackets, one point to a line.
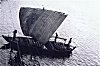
[27, 46]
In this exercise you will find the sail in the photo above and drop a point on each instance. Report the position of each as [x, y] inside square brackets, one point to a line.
[40, 23]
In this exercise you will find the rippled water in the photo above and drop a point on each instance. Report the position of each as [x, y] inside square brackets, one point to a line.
[86, 54]
[85, 38]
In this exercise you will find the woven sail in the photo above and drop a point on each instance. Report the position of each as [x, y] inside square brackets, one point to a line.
[40, 23]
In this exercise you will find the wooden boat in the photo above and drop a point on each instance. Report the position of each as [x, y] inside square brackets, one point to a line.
[29, 46]
[40, 24]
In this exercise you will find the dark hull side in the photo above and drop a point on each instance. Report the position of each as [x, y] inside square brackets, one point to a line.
[27, 46]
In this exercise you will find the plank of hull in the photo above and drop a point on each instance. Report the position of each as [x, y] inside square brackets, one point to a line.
[40, 23]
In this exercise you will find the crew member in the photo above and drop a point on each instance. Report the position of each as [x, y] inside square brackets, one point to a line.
[14, 34]
[56, 37]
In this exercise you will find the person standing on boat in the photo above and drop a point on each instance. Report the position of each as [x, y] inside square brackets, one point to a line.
[13, 41]
[68, 45]
[14, 34]
[56, 37]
